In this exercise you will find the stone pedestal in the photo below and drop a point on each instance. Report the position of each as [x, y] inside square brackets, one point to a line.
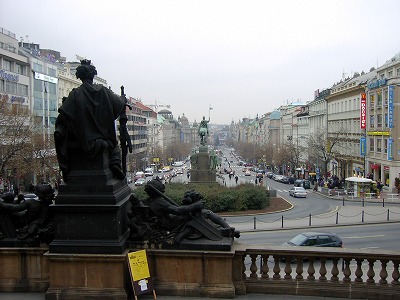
[201, 172]
[88, 276]
[91, 209]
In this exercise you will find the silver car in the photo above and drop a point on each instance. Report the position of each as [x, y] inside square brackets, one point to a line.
[298, 191]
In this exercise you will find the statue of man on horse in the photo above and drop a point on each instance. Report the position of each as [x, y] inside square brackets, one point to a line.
[203, 130]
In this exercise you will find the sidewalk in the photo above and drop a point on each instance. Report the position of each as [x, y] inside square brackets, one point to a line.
[41, 296]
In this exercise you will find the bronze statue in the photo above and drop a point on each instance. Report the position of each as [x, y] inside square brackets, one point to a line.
[203, 131]
[162, 221]
[86, 121]
[28, 216]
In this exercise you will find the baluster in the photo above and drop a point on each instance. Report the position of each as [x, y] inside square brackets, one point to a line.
[264, 267]
[371, 273]
[288, 268]
[322, 269]
[335, 270]
[311, 270]
[244, 266]
[299, 268]
[253, 266]
[395, 274]
[383, 273]
[276, 269]
[358, 272]
[346, 271]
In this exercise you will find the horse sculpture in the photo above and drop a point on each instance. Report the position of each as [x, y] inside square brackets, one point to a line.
[203, 135]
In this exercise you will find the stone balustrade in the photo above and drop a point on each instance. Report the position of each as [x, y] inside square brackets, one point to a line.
[327, 272]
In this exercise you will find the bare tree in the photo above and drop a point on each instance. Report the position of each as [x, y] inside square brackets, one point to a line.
[16, 131]
[323, 147]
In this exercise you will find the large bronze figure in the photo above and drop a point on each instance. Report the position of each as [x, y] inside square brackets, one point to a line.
[86, 121]
[28, 217]
[164, 223]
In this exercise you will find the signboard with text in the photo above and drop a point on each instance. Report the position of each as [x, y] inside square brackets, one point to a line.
[363, 111]
[140, 275]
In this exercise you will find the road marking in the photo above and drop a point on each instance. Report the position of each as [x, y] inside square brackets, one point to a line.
[363, 237]
[370, 248]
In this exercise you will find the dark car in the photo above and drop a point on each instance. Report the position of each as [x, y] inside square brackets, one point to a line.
[303, 183]
[315, 239]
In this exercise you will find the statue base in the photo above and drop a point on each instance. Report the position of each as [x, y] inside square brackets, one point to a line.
[202, 172]
[91, 209]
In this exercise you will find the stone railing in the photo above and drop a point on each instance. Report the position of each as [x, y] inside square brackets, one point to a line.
[308, 271]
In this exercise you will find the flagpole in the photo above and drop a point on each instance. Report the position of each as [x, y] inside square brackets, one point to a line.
[209, 110]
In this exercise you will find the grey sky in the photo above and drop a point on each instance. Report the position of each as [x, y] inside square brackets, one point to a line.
[241, 57]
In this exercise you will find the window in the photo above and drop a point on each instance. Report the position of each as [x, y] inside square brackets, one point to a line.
[371, 144]
[22, 90]
[398, 72]
[386, 120]
[382, 76]
[372, 100]
[379, 145]
[37, 68]
[1, 85]
[390, 74]
[52, 72]
[379, 120]
[7, 65]
[379, 98]
[37, 85]
[385, 143]
[371, 121]
[11, 87]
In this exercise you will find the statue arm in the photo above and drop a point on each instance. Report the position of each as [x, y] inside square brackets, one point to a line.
[186, 209]
[13, 207]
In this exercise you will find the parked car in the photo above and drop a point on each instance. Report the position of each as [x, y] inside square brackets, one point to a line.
[128, 180]
[247, 173]
[284, 179]
[179, 171]
[306, 184]
[316, 239]
[298, 191]
[140, 181]
[303, 183]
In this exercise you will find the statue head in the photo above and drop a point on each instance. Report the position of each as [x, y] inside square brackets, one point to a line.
[204, 117]
[85, 70]
[155, 183]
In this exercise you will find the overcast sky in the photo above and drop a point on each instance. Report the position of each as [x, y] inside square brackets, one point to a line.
[241, 57]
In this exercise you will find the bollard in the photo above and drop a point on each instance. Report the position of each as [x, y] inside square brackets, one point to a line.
[282, 221]
[363, 202]
[343, 201]
[362, 217]
[383, 202]
[388, 215]
[309, 222]
[254, 223]
[337, 217]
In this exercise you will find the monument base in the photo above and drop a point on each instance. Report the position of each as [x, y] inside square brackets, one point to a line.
[90, 210]
[85, 276]
[202, 172]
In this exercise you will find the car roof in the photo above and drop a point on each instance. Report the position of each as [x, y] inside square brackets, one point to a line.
[312, 233]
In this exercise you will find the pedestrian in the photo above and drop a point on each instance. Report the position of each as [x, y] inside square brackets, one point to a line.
[256, 182]
[236, 179]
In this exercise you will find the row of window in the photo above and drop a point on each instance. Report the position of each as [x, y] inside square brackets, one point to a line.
[14, 67]
[377, 147]
[41, 69]
[13, 88]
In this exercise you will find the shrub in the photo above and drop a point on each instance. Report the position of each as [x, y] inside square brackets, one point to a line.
[219, 198]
